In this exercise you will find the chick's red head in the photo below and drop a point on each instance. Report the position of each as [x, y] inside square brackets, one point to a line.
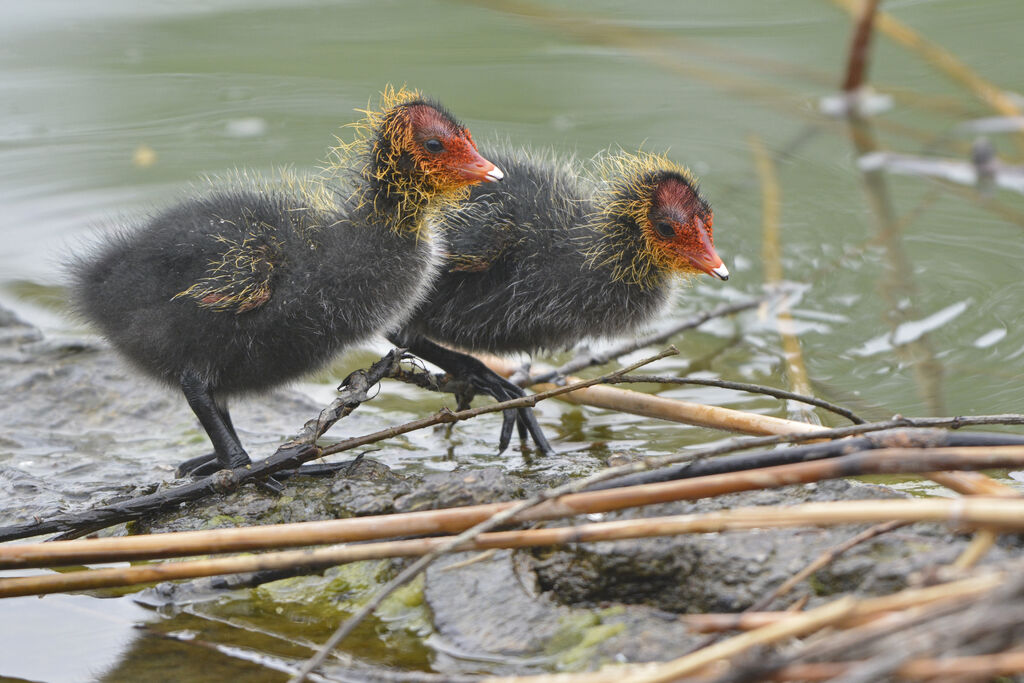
[439, 148]
[679, 228]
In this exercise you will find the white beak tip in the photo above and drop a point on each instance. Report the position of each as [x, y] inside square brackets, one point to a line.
[495, 174]
[721, 272]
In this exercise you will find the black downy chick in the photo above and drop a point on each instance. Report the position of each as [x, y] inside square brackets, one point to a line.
[552, 257]
[256, 282]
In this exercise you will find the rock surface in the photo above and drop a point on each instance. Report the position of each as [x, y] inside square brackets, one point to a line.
[81, 419]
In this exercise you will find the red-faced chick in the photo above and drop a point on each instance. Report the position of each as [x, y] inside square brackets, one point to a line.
[551, 258]
[254, 282]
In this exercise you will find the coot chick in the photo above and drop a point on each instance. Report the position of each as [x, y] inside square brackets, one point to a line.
[553, 257]
[255, 282]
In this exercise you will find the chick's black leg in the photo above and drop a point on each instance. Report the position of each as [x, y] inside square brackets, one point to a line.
[467, 368]
[208, 463]
[228, 452]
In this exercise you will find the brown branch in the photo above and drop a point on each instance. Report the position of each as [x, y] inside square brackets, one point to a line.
[418, 524]
[893, 438]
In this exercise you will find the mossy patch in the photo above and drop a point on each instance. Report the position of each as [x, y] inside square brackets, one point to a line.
[579, 634]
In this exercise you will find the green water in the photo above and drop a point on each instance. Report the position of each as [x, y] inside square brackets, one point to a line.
[909, 289]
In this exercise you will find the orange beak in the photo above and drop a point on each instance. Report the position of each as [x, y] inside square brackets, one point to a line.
[476, 169]
[705, 258]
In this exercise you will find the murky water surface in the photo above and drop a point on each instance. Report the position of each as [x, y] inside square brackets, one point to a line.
[909, 289]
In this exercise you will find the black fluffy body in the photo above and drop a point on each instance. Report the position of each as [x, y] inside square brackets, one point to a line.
[523, 271]
[334, 280]
[249, 285]
[518, 273]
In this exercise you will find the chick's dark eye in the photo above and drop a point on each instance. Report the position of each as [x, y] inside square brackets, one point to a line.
[434, 146]
[665, 229]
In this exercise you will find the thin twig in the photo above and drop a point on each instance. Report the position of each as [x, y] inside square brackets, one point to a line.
[939, 600]
[290, 455]
[591, 359]
[940, 627]
[822, 560]
[415, 568]
[743, 386]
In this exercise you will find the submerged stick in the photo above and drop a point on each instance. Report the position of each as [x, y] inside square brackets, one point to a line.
[796, 369]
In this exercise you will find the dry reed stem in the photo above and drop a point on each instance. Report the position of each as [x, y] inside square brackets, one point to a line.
[454, 520]
[673, 410]
[1002, 513]
[797, 625]
[867, 609]
[978, 667]
[648, 405]
[861, 611]
[972, 554]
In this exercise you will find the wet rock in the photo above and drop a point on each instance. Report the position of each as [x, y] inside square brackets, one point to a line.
[490, 608]
[363, 487]
[464, 487]
[368, 487]
[86, 428]
[13, 333]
